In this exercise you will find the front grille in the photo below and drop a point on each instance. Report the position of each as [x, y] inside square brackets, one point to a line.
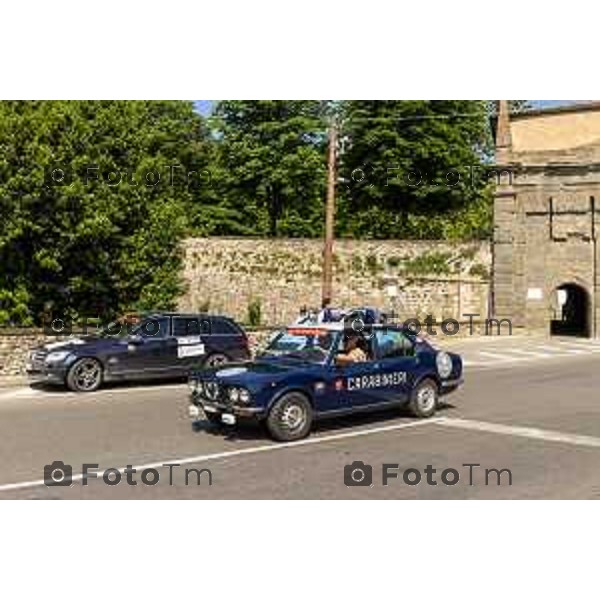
[212, 390]
[37, 358]
[215, 392]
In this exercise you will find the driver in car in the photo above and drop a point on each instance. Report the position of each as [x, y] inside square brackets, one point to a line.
[353, 351]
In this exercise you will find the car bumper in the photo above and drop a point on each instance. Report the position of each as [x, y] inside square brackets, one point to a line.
[449, 385]
[199, 406]
[45, 374]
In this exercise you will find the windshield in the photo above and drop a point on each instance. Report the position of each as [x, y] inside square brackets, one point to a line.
[113, 329]
[312, 345]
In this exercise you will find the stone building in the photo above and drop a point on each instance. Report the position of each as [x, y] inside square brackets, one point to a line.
[547, 220]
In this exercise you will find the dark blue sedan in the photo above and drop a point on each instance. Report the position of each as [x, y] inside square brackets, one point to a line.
[300, 377]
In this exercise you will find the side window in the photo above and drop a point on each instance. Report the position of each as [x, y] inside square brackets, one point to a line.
[185, 326]
[223, 327]
[365, 343]
[155, 328]
[394, 344]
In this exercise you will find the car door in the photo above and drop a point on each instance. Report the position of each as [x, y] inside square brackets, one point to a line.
[353, 384]
[150, 351]
[397, 362]
[226, 338]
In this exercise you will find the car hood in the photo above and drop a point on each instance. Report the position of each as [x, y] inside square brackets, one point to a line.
[250, 373]
[83, 342]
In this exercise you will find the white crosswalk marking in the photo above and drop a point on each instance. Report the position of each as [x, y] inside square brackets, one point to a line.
[506, 353]
[566, 349]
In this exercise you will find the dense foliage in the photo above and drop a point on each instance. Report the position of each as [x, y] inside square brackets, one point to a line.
[414, 169]
[87, 225]
[95, 197]
[269, 167]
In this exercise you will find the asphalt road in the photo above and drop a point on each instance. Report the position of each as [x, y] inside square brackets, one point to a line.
[538, 419]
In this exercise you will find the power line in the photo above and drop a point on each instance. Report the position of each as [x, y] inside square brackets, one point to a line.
[422, 117]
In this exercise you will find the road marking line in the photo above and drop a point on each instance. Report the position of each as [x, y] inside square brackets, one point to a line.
[243, 451]
[578, 348]
[501, 357]
[531, 353]
[87, 396]
[591, 345]
[556, 350]
[545, 435]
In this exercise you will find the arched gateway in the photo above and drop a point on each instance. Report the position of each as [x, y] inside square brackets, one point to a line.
[573, 314]
[546, 269]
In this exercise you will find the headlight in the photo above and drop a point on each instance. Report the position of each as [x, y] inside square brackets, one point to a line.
[57, 356]
[239, 395]
[444, 364]
[193, 385]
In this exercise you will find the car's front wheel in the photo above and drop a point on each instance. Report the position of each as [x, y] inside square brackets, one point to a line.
[290, 418]
[424, 399]
[85, 375]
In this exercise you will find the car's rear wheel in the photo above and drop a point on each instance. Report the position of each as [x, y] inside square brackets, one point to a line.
[290, 418]
[85, 375]
[424, 399]
[216, 360]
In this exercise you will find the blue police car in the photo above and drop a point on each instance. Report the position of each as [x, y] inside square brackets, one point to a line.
[307, 373]
[159, 346]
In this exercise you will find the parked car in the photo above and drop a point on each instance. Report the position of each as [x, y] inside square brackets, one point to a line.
[299, 378]
[161, 345]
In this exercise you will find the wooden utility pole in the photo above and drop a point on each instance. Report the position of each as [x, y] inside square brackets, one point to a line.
[329, 216]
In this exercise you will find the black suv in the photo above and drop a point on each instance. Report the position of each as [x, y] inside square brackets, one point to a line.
[160, 346]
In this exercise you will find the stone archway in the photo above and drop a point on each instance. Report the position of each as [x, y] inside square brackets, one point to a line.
[573, 311]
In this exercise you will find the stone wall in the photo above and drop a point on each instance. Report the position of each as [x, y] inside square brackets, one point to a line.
[225, 275]
[412, 278]
[15, 346]
[547, 219]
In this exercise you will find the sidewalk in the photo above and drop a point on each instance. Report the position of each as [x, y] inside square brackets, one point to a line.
[8, 381]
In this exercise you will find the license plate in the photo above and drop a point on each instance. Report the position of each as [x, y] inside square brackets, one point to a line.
[228, 419]
[194, 412]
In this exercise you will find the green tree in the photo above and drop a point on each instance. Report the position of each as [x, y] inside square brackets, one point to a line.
[270, 166]
[412, 169]
[515, 106]
[106, 237]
